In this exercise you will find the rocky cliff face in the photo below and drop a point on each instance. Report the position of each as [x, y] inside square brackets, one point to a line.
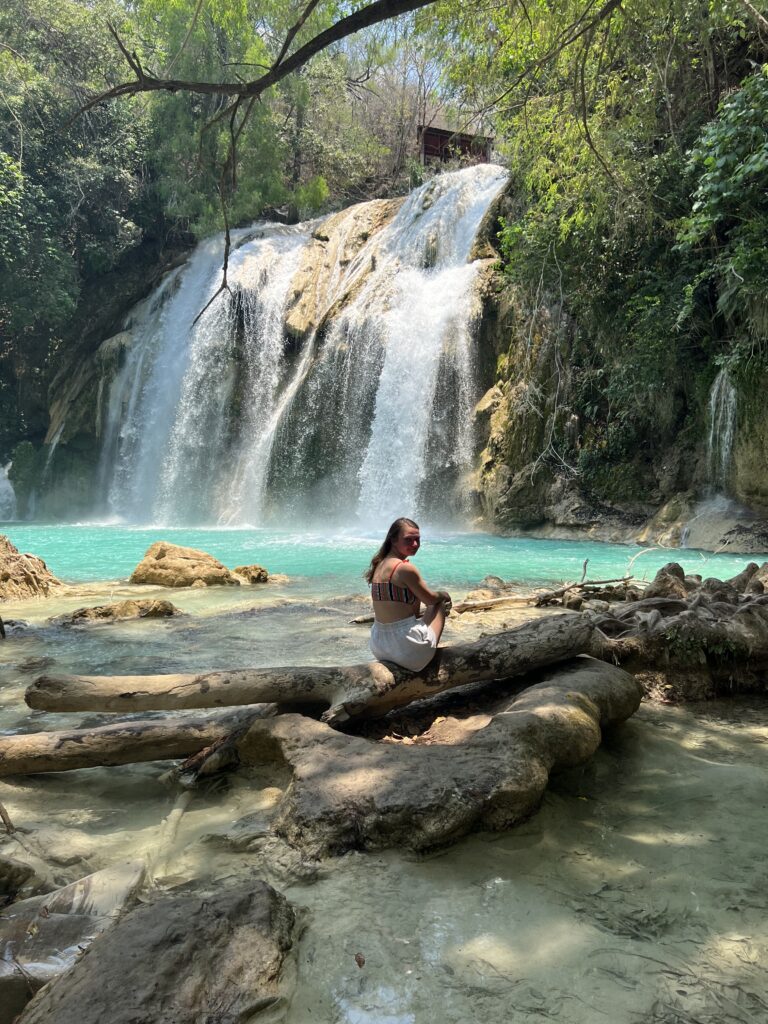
[551, 465]
[750, 450]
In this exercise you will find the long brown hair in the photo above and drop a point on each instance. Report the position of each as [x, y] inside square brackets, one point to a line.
[386, 547]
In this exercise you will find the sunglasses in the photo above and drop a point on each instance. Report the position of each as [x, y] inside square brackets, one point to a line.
[412, 540]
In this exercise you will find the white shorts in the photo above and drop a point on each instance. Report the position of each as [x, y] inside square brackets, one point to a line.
[408, 642]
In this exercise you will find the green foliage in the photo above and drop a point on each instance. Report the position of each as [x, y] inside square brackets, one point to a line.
[687, 648]
[311, 197]
[728, 222]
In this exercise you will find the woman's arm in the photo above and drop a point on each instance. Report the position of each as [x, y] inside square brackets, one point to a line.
[408, 575]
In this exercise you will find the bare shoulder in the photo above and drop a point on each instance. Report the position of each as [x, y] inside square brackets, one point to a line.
[386, 568]
[407, 572]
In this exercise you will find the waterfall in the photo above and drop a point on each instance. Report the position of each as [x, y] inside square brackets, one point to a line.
[7, 495]
[231, 418]
[722, 429]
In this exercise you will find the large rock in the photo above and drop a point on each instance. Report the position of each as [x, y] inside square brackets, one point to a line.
[252, 573]
[669, 581]
[22, 575]
[202, 957]
[169, 565]
[118, 611]
[486, 771]
[41, 937]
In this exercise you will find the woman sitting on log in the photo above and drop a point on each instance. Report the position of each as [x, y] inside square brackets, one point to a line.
[399, 634]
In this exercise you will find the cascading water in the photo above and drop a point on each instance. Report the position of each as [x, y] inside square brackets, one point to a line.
[383, 422]
[229, 420]
[722, 430]
[7, 495]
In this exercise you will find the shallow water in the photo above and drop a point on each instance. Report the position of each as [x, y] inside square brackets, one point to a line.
[637, 894]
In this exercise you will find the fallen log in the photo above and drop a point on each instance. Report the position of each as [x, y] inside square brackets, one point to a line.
[553, 595]
[125, 743]
[346, 691]
[492, 602]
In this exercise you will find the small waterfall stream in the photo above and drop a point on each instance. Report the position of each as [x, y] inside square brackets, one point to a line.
[722, 430]
[7, 495]
[232, 420]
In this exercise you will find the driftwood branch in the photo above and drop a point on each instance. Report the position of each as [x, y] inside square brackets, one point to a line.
[346, 692]
[538, 599]
[547, 598]
[6, 820]
[124, 743]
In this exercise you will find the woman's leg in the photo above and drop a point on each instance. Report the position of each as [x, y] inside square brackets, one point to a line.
[434, 616]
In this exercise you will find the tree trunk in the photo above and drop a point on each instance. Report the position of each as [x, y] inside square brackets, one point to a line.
[347, 691]
[126, 743]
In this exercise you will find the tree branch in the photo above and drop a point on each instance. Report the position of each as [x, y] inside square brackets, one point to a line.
[373, 14]
[293, 31]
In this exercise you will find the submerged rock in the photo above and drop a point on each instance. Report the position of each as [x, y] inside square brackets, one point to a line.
[252, 573]
[41, 937]
[169, 565]
[217, 955]
[23, 575]
[119, 611]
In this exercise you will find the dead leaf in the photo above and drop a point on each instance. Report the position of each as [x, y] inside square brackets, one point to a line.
[359, 959]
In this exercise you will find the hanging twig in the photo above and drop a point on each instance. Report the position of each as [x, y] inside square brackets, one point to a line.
[224, 286]
[6, 820]
[187, 37]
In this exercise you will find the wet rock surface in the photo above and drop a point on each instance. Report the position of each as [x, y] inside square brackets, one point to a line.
[14, 874]
[170, 565]
[252, 573]
[217, 954]
[118, 611]
[23, 575]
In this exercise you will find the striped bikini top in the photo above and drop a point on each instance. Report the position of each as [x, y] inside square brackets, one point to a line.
[390, 592]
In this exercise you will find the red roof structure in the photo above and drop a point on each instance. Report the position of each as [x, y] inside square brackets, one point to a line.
[440, 141]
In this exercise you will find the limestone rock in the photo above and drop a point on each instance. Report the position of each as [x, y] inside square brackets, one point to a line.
[23, 575]
[41, 937]
[488, 771]
[252, 573]
[216, 955]
[746, 538]
[336, 242]
[667, 527]
[118, 611]
[169, 565]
